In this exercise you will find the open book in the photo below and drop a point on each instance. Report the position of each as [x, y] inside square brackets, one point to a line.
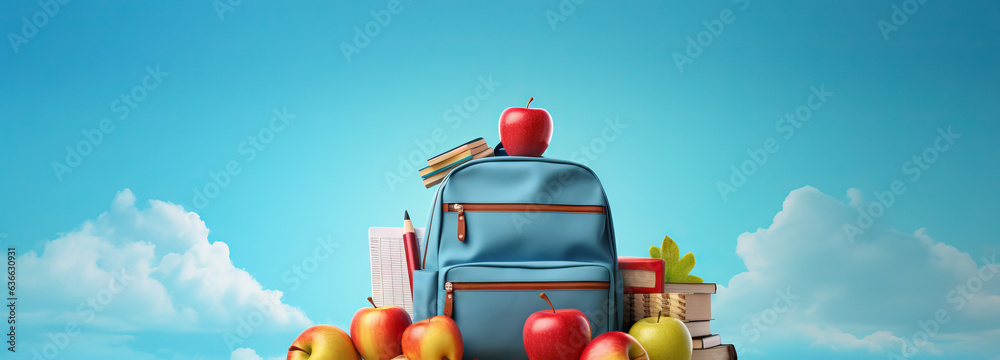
[390, 282]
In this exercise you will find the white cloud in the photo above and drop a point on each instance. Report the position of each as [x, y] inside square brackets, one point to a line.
[245, 354]
[174, 278]
[251, 354]
[878, 292]
[877, 342]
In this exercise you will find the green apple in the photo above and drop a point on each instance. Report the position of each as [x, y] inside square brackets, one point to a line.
[664, 338]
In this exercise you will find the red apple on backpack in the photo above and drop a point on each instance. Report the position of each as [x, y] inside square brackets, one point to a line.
[524, 131]
[556, 334]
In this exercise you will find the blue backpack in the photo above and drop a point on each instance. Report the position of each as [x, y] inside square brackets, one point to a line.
[502, 230]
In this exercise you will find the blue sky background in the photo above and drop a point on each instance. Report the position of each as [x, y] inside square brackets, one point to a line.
[325, 174]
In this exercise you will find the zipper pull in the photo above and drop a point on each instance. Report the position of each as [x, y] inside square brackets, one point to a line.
[448, 288]
[461, 221]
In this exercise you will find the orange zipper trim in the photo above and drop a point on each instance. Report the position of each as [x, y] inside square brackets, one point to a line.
[534, 285]
[451, 287]
[462, 208]
[583, 209]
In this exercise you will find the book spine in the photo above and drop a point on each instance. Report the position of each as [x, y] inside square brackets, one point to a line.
[638, 306]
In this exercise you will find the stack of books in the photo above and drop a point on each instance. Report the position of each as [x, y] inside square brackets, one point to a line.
[439, 166]
[646, 295]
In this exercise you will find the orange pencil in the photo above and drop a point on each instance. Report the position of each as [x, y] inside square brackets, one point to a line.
[410, 245]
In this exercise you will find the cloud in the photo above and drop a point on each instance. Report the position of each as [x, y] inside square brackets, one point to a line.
[137, 269]
[877, 342]
[250, 354]
[85, 345]
[881, 290]
[245, 354]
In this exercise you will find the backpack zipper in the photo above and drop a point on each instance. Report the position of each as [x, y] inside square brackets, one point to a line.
[462, 208]
[451, 287]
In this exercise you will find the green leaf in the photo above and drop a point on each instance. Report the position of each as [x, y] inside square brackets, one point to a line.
[683, 266]
[670, 252]
[676, 269]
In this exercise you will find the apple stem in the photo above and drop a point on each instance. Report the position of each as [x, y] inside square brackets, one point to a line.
[658, 316]
[546, 297]
[529, 102]
[372, 302]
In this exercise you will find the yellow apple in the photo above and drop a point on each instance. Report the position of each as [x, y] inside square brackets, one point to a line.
[437, 338]
[323, 342]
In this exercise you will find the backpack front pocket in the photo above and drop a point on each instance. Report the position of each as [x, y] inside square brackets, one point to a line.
[491, 302]
[479, 232]
[460, 209]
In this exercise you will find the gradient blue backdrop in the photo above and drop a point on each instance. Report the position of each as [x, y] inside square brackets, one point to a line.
[326, 173]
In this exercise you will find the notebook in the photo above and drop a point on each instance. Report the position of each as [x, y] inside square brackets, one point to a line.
[435, 179]
[390, 282]
[472, 144]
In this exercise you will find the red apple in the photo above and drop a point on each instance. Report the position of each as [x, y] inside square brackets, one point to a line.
[377, 332]
[323, 342]
[556, 334]
[436, 338]
[524, 131]
[614, 345]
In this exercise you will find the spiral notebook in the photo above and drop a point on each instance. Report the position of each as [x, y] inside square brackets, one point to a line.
[390, 282]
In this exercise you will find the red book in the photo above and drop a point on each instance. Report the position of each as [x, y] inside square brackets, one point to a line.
[641, 275]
